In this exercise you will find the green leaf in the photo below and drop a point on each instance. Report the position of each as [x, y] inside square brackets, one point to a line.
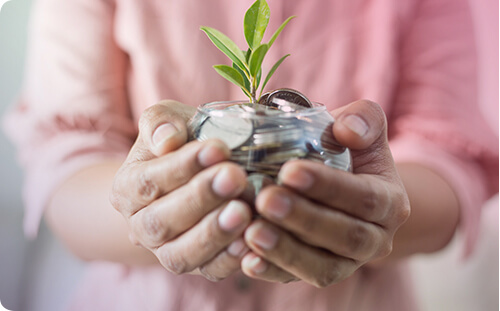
[227, 46]
[245, 79]
[278, 31]
[230, 74]
[255, 23]
[273, 69]
[256, 59]
[247, 54]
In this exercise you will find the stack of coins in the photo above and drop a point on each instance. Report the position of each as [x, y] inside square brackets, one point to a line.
[284, 125]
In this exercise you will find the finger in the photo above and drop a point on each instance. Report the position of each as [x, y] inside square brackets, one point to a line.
[321, 226]
[359, 124]
[139, 184]
[226, 262]
[362, 127]
[310, 264]
[206, 239]
[258, 268]
[176, 212]
[365, 196]
[163, 127]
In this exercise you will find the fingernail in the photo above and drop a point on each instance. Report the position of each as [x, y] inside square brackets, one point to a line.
[278, 206]
[299, 179]
[263, 237]
[163, 132]
[223, 185]
[211, 154]
[257, 265]
[355, 124]
[233, 216]
[237, 248]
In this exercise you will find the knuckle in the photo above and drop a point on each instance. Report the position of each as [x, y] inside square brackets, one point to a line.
[371, 201]
[153, 230]
[403, 215]
[400, 208]
[375, 202]
[327, 278]
[358, 240]
[208, 241]
[147, 189]
[385, 250]
[335, 271]
[404, 208]
[133, 239]
[175, 264]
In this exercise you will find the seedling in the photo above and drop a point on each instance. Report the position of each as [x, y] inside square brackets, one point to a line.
[246, 69]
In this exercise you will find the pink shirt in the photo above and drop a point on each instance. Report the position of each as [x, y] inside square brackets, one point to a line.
[94, 66]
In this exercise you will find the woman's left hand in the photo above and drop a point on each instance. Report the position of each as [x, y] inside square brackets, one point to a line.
[322, 224]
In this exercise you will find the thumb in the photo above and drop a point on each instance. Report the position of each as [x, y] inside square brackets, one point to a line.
[360, 125]
[163, 128]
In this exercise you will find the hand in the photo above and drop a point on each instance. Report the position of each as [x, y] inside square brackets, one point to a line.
[179, 198]
[322, 224]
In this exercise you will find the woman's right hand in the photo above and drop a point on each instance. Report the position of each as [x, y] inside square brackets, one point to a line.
[179, 199]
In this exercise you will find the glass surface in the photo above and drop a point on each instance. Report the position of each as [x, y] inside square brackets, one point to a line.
[262, 138]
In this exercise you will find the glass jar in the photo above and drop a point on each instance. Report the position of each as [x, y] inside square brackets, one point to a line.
[262, 138]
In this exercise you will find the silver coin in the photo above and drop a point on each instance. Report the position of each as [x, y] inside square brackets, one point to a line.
[263, 98]
[288, 100]
[263, 144]
[285, 155]
[280, 136]
[232, 131]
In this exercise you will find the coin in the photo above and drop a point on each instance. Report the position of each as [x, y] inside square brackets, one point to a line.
[263, 98]
[281, 157]
[262, 136]
[232, 131]
[277, 135]
[288, 100]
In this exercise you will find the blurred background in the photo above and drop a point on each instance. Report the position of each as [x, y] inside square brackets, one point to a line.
[34, 275]
[41, 275]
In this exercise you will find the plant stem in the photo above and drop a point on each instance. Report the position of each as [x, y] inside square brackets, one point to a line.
[254, 98]
[253, 90]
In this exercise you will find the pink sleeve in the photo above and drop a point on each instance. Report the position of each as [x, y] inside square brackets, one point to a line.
[437, 120]
[73, 109]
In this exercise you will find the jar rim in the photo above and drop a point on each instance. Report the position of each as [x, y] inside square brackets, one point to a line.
[215, 109]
